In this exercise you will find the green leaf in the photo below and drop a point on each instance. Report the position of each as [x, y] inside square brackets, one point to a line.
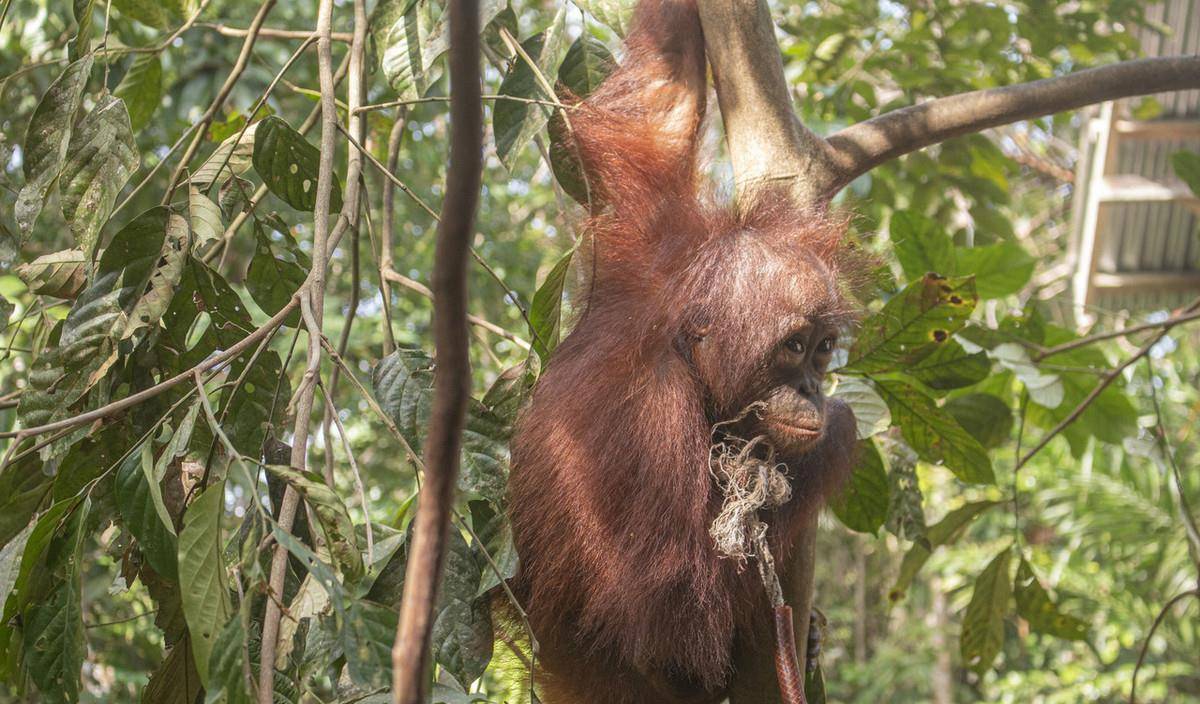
[399, 28]
[148, 12]
[331, 514]
[863, 504]
[6, 311]
[232, 157]
[164, 277]
[288, 165]
[1187, 167]
[515, 123]
[175, 680]
[1000, 269]
[906, 503]
[987, 418]
[45, 531]
[276, 272]
[921, 245]
[23, 487]
[944, 532]
[951, 367]
[53, 627]
[226, 682]
[912, 325]
[510, 390]
[545, 313]
[10, 560]
[141, 88]
[495, 535]
[139, 499]
[1034, 605]
[60, 274]
[934, 434]
[614, 14]
[82, 11]
[403, 385]
[46, 141]
[462, 628]
[586, 65]
[201, 574]
[983, 624]
[101, 158]
[204, 216]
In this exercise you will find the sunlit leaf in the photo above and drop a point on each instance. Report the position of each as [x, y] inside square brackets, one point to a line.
[934, 434]
[951, 367]
[1187, 167]
[232, 157]
[614, 14]
[164, 277]
[912, 325]
[871, 413]
[999, 269]
[921, 246]
[204, 216]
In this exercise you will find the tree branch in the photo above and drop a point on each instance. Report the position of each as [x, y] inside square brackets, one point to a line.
[312, 307]
[859, 148]
[452, 381]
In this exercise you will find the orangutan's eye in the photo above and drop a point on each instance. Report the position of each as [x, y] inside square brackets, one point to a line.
[795, 344]
[827, 345]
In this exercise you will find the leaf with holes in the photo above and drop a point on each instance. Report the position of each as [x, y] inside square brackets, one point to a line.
[331, 514]
[60, 274]
[983, 623]
[99, 317]
[46, 141]
[201, 576]
[586, 65]
[101, 158]
[141, 88]
[276, 272]
[514, 123]
[403, 384]
[288, 165]
[164, 279]
[140, 501]
[232, 157]
[951, 367]
[863, 503]
[1035, 606]
[545, 313]
[913, 324]
[944, 532]
[934, 434]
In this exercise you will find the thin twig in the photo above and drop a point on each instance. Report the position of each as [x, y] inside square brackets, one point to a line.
[1177, 319]
[388, 228]
[446, 98]
[273, 32]
[396, 277]
[1162, 615]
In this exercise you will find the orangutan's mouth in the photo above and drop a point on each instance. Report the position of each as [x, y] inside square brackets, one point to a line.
[794, 431]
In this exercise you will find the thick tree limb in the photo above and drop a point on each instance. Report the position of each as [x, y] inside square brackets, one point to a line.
[859, 148]
[768, 144]
[452, 380]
